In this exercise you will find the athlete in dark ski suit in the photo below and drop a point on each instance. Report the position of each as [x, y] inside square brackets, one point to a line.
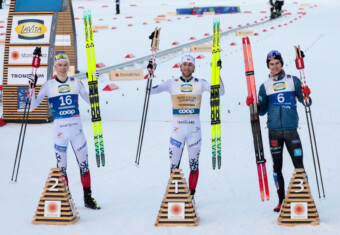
[277, 98]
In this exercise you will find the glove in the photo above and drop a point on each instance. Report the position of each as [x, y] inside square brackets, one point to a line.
[152, 66]
[96, 75]
[249, 100]
[306, 91]
[32, 80]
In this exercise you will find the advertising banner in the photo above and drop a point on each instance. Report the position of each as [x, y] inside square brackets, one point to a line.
[38, 5]
[21, 98]
[31, 29]
[24, 55]
[18, 76]
[62, 40]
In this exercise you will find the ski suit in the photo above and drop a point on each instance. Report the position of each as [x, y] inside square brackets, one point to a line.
[277, 97]
[67, 127]
[186, 102]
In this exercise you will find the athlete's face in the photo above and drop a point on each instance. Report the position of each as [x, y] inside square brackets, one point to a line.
[187, 69]
[61, 68]
[275, 67]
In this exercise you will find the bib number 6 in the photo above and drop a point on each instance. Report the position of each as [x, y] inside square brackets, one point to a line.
[281, 98]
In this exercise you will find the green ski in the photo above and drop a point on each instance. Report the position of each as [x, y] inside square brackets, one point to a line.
[93, 90]
[215, 96]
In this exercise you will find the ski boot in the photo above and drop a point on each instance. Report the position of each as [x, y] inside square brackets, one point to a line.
[281, 194]
[89, 201]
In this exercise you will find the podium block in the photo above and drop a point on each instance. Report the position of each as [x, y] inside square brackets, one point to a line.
[299, 207]
[177, 208]
[56, 205]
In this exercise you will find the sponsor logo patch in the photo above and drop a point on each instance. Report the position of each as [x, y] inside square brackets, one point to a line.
[175, 143]
[31, 29]
[297, 152]
[273, 143]
[186, 88]
[59, 148]
[279, 86]
[296, 141]
[64, 88]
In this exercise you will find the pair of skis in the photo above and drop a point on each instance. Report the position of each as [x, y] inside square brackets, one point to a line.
[215, 96]
[35, 65]
[255, 122]
[301, 66]
[93, 90]
[151, 69]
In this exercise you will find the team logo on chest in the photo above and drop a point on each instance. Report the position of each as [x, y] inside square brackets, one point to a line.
[64, 88]
[186, 88]
[279, 86]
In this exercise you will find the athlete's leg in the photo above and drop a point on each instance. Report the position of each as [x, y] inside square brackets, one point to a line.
[294, 147]
[60, 137]
[276, 148]
[176, 145]
[194, 141]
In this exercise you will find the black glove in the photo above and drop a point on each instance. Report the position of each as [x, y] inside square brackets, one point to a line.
[32, 80]
[152, 66]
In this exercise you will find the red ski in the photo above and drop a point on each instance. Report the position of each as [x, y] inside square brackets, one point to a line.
[254, 118]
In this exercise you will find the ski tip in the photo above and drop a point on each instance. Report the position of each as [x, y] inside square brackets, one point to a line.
[136, 164]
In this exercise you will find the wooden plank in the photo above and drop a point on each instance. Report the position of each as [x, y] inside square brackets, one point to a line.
[63, 213]
[55, 198]
[63, 208]
[59, 174]
[66, 203]
[63, 218]
[56, 222]
[177, 220]
[61, 194]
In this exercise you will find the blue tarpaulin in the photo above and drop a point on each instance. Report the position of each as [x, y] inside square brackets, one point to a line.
[39, 5]
[201, 10]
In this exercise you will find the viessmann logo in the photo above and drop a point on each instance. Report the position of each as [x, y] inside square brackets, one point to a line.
[31, 29]
[279, 86]
[64, 88]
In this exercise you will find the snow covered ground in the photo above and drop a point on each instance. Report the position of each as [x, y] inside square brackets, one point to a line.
[228, 199]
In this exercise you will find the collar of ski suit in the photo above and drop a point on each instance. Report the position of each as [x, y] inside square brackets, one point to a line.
[278, 77]
[61, 81]
[183, 80]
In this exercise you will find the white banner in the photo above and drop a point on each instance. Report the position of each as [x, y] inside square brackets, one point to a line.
[24, 55]
[31, 29]
[52, 208]
[18, 75]
[62, 40]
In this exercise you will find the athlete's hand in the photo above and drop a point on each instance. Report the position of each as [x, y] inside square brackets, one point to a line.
[96, 75]
[249, 100]
[32, 80]
[306, 90]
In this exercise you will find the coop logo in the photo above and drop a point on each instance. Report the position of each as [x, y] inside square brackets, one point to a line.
[64, 88]
[31, 29]
[67, 112]
[279, 86]
[186, 88]
[186, 111]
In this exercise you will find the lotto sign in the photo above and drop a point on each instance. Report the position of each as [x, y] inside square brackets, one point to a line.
[176, 210]
[24, 55]
[299, 210]
[19, 76]
[31, 29]
[52, 208]
[72, 205]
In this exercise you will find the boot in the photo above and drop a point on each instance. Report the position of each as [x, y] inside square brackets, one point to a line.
[89, 201]
[281, 194]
